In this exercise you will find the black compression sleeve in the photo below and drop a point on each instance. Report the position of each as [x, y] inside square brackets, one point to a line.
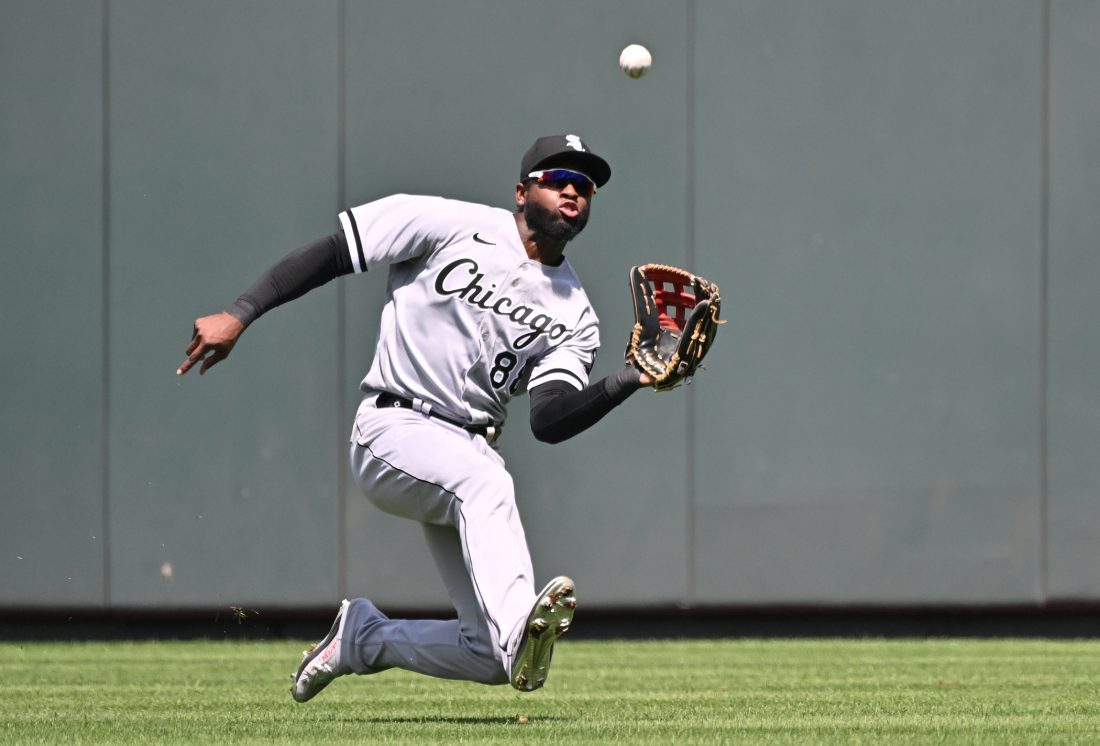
[300, 271]
[559, 411]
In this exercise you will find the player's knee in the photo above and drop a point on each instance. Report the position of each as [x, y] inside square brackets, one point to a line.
[498, 676]
[484, 666]
[490, 670]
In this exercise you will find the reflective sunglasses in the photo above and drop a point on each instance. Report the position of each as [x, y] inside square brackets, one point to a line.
[558, 178]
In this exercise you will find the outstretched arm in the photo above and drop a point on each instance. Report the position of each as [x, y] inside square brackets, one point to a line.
[292, 276]
[559, 411]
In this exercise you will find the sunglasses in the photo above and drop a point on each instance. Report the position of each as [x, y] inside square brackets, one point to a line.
[559, 178]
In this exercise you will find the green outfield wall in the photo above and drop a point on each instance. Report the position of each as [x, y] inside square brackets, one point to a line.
[898, 199]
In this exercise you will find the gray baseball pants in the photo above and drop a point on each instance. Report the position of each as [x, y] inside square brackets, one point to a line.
[456, 485]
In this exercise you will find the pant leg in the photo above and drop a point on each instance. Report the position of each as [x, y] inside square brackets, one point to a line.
[455, 483]
[456, 649]
[433, 647]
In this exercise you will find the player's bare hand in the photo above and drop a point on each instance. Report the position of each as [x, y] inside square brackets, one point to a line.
[212, 341]
[646, 379]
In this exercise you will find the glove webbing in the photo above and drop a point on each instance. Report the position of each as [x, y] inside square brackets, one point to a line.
[671, 291]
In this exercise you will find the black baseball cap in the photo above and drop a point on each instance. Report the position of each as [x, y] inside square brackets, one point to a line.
[564, 151]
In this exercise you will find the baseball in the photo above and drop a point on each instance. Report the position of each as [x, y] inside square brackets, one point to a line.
[635, 60]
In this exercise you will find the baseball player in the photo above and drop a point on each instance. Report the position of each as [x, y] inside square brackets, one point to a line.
[481, 306]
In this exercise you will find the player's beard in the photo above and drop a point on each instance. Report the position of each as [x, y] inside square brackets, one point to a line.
[553, 224]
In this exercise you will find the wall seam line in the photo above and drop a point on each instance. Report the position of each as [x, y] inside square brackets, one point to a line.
[1044, 300]
[105, 301]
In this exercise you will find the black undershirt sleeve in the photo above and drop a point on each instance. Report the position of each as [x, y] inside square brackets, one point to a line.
[559, 411]
[300, 271]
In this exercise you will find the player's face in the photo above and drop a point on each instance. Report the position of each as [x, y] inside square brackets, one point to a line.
[556, 210]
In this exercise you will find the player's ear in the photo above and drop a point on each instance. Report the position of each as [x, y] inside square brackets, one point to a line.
[521, 194]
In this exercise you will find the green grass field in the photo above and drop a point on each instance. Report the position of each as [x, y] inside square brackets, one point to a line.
[813, 691]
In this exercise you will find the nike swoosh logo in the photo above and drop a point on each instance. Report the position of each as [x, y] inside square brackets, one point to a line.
[479, 239]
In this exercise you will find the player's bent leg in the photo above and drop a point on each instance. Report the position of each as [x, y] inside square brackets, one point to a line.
[375, 643]
[363, 640]
[473, 627]
[482, 558]
[495, 556]
[445, 477]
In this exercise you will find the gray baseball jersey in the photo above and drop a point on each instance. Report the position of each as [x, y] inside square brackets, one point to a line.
[469, 320]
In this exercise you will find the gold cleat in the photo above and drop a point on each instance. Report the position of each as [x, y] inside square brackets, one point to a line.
[550, 618]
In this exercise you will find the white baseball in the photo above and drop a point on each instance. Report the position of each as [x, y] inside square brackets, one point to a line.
[635, 60]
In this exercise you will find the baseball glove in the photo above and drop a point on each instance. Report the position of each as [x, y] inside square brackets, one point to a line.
[675, 320]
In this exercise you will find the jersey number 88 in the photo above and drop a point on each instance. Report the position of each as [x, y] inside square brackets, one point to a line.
[503, 366]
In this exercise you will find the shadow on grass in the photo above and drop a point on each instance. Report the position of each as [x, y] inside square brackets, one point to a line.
[448, 720]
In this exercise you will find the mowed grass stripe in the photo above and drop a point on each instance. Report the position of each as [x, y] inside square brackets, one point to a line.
[721, 691]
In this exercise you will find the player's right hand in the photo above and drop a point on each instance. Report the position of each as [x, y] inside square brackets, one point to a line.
[211, 342]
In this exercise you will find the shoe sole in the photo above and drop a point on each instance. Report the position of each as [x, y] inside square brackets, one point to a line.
[549, 620]
[315, 650]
